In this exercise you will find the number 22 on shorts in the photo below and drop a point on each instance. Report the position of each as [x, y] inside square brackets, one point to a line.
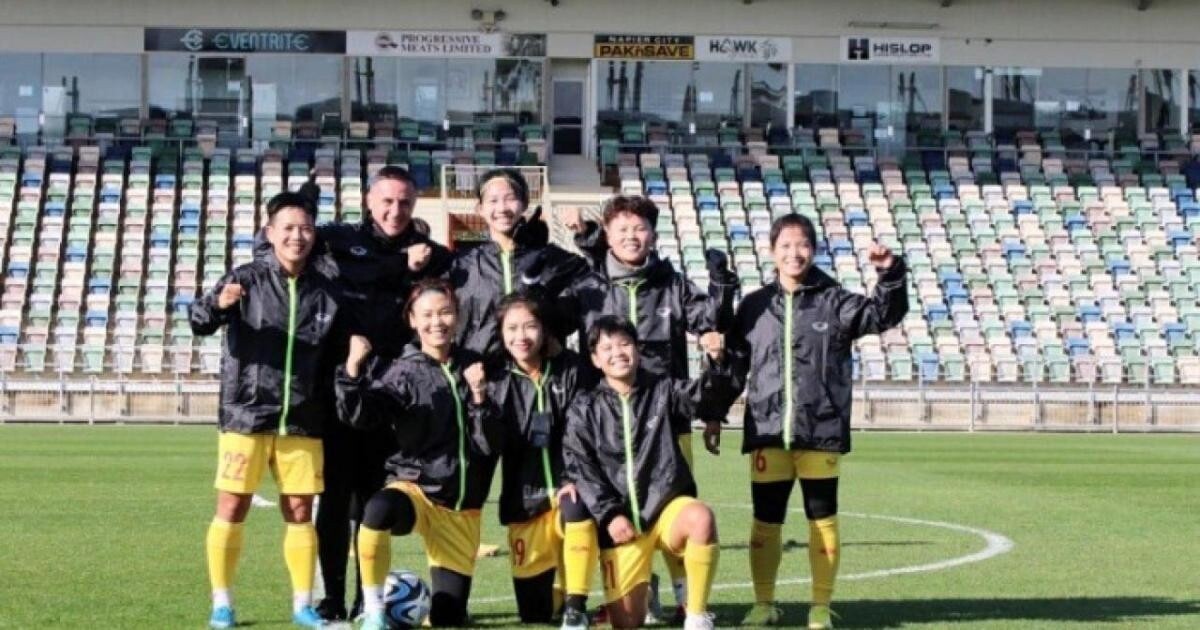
[234, 466]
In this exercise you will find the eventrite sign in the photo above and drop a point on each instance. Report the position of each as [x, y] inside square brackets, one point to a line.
[902, 50]
[445, 44]
[744, 49]
[243, 40]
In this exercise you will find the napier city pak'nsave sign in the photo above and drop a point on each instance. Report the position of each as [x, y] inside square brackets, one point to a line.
[872, 49]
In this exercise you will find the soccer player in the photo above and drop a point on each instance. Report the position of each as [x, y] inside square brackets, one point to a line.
[278, 314]
[434, 399]
[623, 454]
[634, 283]
[516, 253]
[551, 536]
[790, 346]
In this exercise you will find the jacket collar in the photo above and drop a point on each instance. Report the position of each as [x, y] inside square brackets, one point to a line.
[653, 269]
[815, 280]
[401, 240]
[639, 381]
[276, 268]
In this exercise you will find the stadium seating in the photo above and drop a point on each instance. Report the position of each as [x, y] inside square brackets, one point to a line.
[1028, 261]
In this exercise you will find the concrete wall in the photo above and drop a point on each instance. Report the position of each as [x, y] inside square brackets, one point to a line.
[1047, 32]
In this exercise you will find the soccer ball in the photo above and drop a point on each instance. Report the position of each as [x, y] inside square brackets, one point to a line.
[406, 600]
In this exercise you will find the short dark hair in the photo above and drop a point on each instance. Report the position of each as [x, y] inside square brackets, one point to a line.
[288, 199]
[515, 180]
[797, 221]
[394, 173]
[429, 285]
[636, 205]
[609, 326]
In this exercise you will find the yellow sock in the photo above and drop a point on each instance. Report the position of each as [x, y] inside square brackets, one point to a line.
[581, 555]
[700, 561]
[223, 545]
[824, 553]
[300, 553]
[766, 551]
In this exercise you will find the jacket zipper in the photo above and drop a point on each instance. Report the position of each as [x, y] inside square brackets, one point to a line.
[631, 288]
[788, 410]
[287, 358]
[539, 387]
[630, 478]
[462, 454]
[506, 269]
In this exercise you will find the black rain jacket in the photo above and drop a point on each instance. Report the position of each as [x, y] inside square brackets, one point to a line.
[798, 393]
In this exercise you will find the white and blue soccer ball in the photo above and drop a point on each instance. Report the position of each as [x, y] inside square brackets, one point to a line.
[406, 600]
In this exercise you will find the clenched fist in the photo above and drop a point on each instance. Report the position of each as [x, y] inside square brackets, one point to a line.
[230, 294]
[572, 218]
[881, 257]
[621, 531]
[474, 376]
[418, 256]
[360, 349]
[713, 344]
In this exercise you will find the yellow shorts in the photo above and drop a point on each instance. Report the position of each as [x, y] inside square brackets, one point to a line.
[626, 566]
[451, 538]
[769, 465]
[297, 463]
[536, 544]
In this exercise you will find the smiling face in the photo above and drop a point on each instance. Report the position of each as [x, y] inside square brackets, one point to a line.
[630, 238]
[616, 356]
[523, 334]
[793, 253]
[291, 234]
[391, 203]
[434, 317]
[499, 205]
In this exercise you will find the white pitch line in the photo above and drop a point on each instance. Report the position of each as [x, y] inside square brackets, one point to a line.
[996, 544]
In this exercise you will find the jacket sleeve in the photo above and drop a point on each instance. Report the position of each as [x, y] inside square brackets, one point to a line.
[440, 261]
[487, 424]
[373, 398]
[860, 315]
[579, 453]
[706, 312]
[568, 376]
[204, 315]
[737, 358]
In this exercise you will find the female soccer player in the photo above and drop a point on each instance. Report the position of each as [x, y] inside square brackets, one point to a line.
[622, 451]
[549, 530]
[791, 345]
[434, 397]
[516, 253]
[279, 314]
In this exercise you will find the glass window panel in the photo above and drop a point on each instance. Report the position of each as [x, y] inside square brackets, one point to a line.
[294, 87]
[816, 97]
[1162, 100]
[768, 94]
[100, 84]
[964, 93]
[21, 89]
[1014, 94]
[1078, 102]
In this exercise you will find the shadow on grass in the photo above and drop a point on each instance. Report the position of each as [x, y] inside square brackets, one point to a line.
[898, 613]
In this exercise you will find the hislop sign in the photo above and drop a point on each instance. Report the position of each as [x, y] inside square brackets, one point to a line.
[744, 49]
[243, 40]
[869, 49]
[445, 44]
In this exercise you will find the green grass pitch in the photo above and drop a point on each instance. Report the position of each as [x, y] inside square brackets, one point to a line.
[103, 527]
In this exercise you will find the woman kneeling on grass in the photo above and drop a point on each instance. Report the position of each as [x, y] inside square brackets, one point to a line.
[435, 398]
